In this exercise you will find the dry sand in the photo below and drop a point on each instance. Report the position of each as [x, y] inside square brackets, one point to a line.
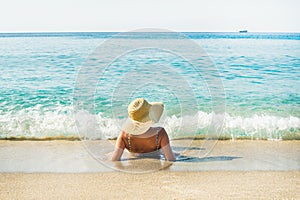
[158, 185]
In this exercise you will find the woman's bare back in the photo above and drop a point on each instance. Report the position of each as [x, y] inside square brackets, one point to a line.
[150, 141]
[144, 143]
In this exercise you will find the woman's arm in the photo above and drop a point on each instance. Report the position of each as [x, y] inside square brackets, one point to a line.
[119, 148]
[165, 145]
[117, 154]
[169, 155]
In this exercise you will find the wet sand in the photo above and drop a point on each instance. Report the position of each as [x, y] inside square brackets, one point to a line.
[231, 169]
[199, 155]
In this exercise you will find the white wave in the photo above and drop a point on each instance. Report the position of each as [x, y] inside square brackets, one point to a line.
[96, 126]
[39, 122]
[262, 122]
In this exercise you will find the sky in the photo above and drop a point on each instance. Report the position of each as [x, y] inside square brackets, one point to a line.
[128, 15]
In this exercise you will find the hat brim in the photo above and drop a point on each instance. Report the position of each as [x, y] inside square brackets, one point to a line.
[139, 127]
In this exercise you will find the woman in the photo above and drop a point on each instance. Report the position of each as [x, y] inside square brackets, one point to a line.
[137, 135]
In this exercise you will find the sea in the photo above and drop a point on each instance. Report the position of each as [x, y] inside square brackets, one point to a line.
[252, 90]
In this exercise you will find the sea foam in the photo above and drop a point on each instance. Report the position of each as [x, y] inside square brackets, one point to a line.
[62, 122]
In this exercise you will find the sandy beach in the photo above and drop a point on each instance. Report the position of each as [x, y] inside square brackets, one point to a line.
[159, 185]
[233, 169]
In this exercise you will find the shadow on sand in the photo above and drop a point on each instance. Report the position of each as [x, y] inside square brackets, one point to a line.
[182, 158]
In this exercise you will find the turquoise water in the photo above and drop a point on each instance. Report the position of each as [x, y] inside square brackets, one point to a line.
[260, 73]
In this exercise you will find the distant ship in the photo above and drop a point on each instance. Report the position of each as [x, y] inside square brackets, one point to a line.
[243, 31]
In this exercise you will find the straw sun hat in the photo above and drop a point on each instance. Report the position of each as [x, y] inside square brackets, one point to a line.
[142, 115]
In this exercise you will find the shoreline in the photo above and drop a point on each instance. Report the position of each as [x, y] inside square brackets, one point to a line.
[193, 155]
[286, 137]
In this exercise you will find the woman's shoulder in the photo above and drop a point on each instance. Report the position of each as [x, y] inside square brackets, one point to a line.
[162, 132]
[163, 136]
[123, 134]
[161, 129]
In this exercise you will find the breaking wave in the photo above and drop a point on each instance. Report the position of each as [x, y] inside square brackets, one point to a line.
[62, 123]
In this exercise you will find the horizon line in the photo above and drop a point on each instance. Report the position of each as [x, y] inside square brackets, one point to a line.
[107, 31]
